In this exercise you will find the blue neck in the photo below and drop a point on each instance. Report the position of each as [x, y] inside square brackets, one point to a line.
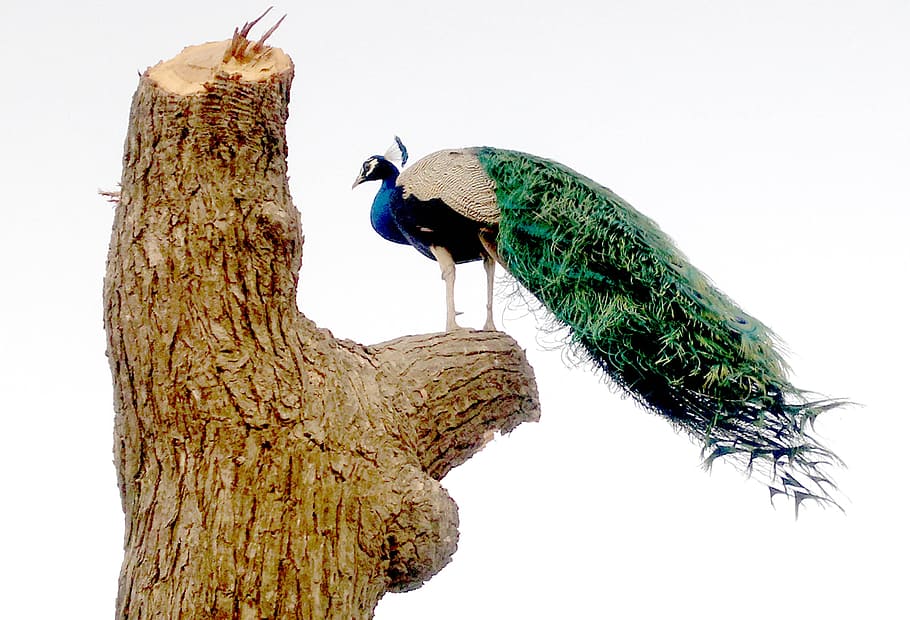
[381, 214]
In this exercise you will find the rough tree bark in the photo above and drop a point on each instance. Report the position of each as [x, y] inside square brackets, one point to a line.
[267, 469]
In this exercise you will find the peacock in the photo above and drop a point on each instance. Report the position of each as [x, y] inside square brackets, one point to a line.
[633, 304]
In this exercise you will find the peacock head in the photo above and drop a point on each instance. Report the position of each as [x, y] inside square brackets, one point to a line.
[381, 167]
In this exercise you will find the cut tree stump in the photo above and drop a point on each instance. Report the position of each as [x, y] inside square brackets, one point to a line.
[267, 469]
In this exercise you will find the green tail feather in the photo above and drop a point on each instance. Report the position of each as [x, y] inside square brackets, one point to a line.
[654, 323]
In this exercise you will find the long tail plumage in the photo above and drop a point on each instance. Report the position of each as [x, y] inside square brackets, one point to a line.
[655, 324]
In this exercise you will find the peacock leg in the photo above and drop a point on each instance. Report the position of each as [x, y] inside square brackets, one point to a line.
[489, 266]
[447, 265]
[490, 258]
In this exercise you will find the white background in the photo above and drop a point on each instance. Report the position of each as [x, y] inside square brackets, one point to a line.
[770, 139]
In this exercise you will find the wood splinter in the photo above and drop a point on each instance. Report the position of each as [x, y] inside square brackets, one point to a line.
[239, 42]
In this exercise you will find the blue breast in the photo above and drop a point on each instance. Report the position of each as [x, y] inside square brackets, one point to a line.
[422, 224]
[381, 214]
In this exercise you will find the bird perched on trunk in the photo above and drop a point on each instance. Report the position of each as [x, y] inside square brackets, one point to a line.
[632, 302]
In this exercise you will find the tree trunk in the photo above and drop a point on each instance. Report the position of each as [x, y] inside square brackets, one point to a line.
[266, 469]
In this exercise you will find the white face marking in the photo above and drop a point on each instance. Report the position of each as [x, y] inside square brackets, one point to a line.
[365, 171]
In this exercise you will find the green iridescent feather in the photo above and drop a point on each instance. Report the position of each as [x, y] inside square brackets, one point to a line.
[655, 324]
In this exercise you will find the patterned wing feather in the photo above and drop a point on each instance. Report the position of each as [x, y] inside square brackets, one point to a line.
[457, 178]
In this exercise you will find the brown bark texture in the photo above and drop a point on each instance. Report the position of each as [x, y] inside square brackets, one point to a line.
[266, 468]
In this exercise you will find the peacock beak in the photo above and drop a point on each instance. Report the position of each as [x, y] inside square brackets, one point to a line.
[358, 181]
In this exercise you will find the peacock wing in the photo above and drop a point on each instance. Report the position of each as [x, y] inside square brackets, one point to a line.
[457, 178]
